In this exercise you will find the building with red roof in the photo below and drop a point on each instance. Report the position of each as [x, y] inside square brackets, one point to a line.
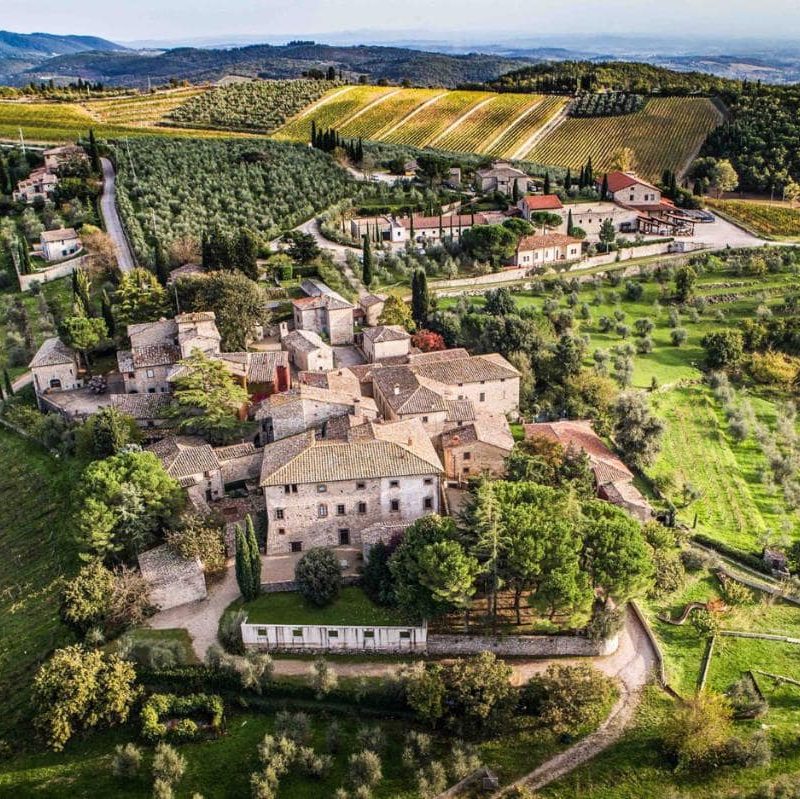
[535, 251]
[538, 203]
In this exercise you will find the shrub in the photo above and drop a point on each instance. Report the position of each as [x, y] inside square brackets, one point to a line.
[162, 789]
[567, 698]
[127, 760]
[604, 623]
[168, 765]
[365, 769]
[745, 699]
[371, 738]
[333, 737]
[736, 593]
[323, 677]
[183, 728]
[697, 731]
[670, 573]
[230, 631]
[85, 600]
[678, 336]
[431, 780]
[747, 753]
[152, 654]
[293, 726]
[464, 759]
[319, 576]
[693, 561]
[376, 579]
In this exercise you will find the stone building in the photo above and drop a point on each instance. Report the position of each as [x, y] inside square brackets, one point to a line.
[55, 367]
[324, 312]
[324, 493]
[371, 308]
[39, 185]
[150, 411]
[550, 248]
[502, 177]
[385, 342]
[476, 447]
[307, 351]
[193, 463]
[172, 580]
[59, 244]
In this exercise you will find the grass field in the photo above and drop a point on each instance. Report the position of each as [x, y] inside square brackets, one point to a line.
[771, 220]
[38, 548]
[663, 135]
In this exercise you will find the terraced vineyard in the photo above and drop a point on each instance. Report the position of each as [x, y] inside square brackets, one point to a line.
[144, 109]
[520, 132]
[382, 117]
[663, 135]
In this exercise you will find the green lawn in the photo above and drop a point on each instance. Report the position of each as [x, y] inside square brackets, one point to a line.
[37, 549]
[289, 607]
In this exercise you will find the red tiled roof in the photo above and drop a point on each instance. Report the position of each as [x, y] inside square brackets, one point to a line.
[431, 222]
[542, 202]
[618, 181]
[548, 240]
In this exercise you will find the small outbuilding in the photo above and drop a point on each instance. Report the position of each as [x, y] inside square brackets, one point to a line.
[172, 579]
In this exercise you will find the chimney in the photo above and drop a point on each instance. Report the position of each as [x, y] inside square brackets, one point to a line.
[410, 441]
[396, 389]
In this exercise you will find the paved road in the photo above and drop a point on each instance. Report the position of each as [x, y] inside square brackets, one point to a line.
[108, 208]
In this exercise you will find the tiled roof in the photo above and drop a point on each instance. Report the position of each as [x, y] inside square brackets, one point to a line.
[404, 392]
[371, 299]
[386, 333]
[244, 450]
[323, 301]
[155, 355]
[606, 466]
[473, 369]
[460, 410]
[542, 202]
[163, 566]
[302, 459]
[303, 393]
[304, 341]
[618, 181]
[142, 406]
[194, 318]
[64, 234]
[487, 430]
[409, 433]
[500, 168]
[53, 352]
[445, 222]
[164, 331]
[439, 355]
[548, 240]
[125, 360]
[184, 456]
[261, 366]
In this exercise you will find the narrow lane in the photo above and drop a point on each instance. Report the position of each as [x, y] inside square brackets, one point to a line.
[108, 209]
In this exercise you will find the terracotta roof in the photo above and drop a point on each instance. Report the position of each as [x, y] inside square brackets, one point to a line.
[404, 393]
[261, 366]
[491, 430]
[434, 222]
[386, 333]
[438, 355]
[371, 299]
[244, 450]
[53, 352]
[323, 301]
[155, 355]
[303, 393]
[164, 331]
[500, 167]
[460, 410]
[194, 318]
[163, 567]
[303, 459]
[605, 465]
[473, 369]
[63, 234]
[184, 456]
[618, 181]
[143, 406]
[542, 202]
[304, 341]
[527, 243]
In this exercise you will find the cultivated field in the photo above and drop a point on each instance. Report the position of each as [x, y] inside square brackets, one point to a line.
[140, 110]
[773, 220]
[665, 134]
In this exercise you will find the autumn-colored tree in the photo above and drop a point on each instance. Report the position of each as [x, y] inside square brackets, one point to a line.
[428, 341]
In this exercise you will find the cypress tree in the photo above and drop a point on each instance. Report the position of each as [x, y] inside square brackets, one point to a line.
[411, 229]
[9, 386]
[547, 187]
[420, 301]
[582, 178]
[244, 577]
[604, 189]
[568, 180]
[570, 224]
[94, 153]
[106, 312]
[589, 172]
[255, 558]
[160, 263]
[367, 264]
[314, 142]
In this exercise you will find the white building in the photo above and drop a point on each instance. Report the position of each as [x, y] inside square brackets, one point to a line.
[58, 244]
[307, 351]
[385, 342]
[503, 177]
[551, 248]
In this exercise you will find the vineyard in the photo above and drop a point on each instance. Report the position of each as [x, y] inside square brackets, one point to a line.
[663, 135]
[142, 109]
[764, 219]
[606, 104]
[259, 106]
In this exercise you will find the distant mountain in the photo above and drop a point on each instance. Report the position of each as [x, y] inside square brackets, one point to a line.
[395, 64]
[23, 51]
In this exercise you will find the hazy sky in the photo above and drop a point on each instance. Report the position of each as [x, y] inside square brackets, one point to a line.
[126, 20]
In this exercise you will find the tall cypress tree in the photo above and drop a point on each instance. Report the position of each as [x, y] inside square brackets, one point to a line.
[367, 263]
[570, 225]
[255, 558]
[160, 263]
[568, 180]
[547, 186]
[420, 301]
[589, 172]
[94, 153]
[244, 576]
[9, 386]
[604, 189]
[313, 133]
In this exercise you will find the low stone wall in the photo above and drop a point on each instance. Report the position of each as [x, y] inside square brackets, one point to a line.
[291, 585]
[522, 645]
[51, 273]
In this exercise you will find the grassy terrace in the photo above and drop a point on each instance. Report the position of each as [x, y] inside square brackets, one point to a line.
[352, 607]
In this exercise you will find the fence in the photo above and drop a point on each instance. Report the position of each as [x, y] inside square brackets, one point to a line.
[50, 273]
[331, 638]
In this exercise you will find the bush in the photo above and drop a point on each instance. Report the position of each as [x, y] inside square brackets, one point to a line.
[230, 631]
[152, 654]
[201, 537]
[670, 574]
[127, 760]
[365, 769]
[678, 336]
[747, 753]
[168, 765]
[85, 600]
[371, 738]
[693, 561]
[293, 726]
[736, 593]
[697, 731]
[158, 706]
[605, 622]
[376, 579]
[319, 576]
[567, 698]
[745, 699]
[323, 677]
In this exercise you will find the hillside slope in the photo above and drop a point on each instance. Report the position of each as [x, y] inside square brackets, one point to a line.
[41, 46]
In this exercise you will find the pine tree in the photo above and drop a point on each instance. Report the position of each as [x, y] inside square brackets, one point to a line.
[9, 386]
[255, 558]
[420, 300]
[547, 187]
[367, 263]
[244, 576]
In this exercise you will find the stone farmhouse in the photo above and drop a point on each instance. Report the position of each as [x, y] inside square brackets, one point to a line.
[192, 462]
[326, 492]
[613, 479]
[539, 203]
[307, 407]
[324, 312]
[41, 183]
[370, 308]
[502, 177]
[172, 580]
[550, 248]
[58, 244]
[480, 445]
[149, 411]
[55, 368]
[385, 343]
[307, 351]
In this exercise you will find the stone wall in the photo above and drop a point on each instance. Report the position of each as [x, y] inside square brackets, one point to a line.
[521, 645]
[51, 273]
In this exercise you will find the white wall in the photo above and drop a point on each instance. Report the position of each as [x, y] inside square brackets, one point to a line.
[319, 638]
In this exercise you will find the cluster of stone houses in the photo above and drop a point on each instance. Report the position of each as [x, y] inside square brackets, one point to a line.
[41, 183]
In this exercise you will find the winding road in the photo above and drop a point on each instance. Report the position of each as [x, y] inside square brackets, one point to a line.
[108, 209]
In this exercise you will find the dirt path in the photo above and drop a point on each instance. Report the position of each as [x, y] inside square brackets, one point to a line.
[108, 209]
[538, 135]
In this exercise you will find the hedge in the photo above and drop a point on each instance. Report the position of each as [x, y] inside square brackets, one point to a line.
[158, 706]
[746, 558]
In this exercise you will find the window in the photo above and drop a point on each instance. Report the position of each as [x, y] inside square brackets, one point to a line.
[55, 383]
[150, 373]
[297, 546]
[362, 507]
[322, 488]
[261, 632]
[297, 632]
[287, 489]
[281, 531]
[424, 420]
[482, 397]
[340, 510]
[333, 633]
[279, 514]
[361, 486]
[467, 456]
[294, 488]
[369, 634]
[394, 505]
[344, 538]
[465, 470]
[394, 484]
[427, 503]
[322, 511]
[405, 634]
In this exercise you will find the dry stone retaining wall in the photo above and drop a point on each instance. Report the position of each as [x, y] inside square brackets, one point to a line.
[522, 645]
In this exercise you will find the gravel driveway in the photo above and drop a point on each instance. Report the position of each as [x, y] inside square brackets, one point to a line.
[108, 208]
